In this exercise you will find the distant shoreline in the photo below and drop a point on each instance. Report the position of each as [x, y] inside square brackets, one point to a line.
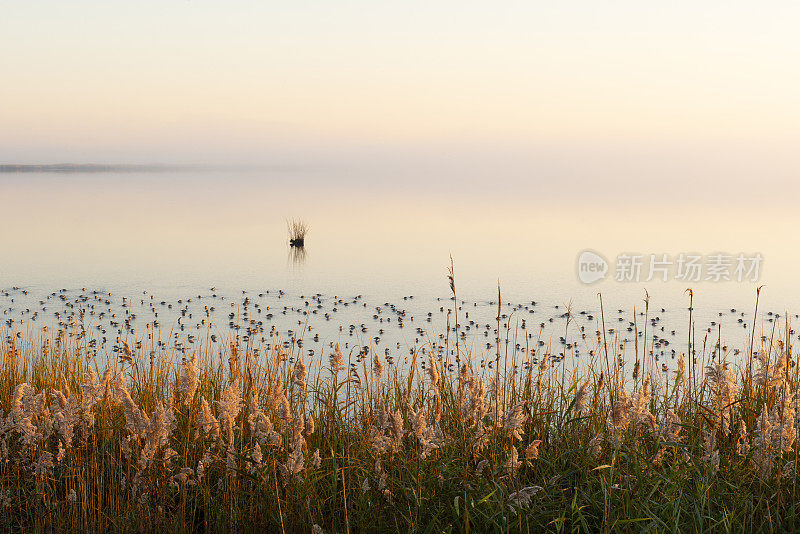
[92, 167]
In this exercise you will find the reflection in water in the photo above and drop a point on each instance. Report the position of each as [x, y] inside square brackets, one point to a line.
[297, 255]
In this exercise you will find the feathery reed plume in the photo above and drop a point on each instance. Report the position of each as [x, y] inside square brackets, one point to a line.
[336, 358]
[433, 372]
[190, 378]
[294, 465]
[137, 422]
[426, 435]
[742, 443]
[620, 412]
[523, 497]
[770, 375]
[723, 387]
[397, 430]
[126, 353]
[681, 372]
[229, 408]
[474, 406]
[711, 454]
[513, 462]
[256, 457]
[437, 408]
[300, 375]
[532, 450]
[206, 421]
[580, 398]
[310, 425]
[515, 420]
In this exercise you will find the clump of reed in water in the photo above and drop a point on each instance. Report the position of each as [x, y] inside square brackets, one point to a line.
[298, 230]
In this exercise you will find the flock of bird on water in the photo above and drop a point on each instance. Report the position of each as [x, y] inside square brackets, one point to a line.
[108, 322]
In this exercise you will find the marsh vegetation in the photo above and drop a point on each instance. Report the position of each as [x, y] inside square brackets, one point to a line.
[243, 436]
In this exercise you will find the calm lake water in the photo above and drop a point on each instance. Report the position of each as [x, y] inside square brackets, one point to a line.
[375, 261]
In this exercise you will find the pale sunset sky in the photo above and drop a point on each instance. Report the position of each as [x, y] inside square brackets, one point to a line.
[699, 94]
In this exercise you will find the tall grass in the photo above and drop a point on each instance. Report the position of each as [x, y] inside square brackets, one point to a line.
[250, 438]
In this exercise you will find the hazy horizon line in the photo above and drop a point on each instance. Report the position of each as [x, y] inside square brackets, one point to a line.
[131, 167]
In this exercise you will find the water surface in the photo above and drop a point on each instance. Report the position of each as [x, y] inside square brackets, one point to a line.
[383, 249]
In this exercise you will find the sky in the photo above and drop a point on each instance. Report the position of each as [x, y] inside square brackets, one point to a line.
[602, 95]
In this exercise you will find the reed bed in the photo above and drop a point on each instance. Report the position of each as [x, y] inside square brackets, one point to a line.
[249, 439]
